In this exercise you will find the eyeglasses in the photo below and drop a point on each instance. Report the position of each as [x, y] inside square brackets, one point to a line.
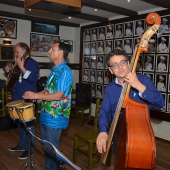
[116, 64]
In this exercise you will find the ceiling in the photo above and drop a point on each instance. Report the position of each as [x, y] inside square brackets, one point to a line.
[106, 10]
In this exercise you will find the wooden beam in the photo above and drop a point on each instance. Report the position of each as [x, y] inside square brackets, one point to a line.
[108, 7]
[160, 3]
[86, 16]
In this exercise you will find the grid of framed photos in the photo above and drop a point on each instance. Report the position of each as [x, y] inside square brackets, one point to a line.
[99, 41]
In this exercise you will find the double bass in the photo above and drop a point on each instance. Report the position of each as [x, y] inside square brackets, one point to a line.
[135, 145]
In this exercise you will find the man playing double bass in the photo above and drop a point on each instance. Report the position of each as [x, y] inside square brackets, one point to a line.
[28, 70]
[142, 90]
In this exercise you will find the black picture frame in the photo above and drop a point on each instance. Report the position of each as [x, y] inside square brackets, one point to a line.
[7, 52]
[8, 28]
[41, 43]
[44, 28]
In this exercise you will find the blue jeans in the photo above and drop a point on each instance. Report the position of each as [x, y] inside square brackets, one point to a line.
[24, 136]
[53, 136]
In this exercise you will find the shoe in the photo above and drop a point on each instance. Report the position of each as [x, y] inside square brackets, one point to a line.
[15, 149]
[25, 155]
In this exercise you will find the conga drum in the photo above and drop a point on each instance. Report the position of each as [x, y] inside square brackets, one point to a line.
[26, 112]
[12, 108]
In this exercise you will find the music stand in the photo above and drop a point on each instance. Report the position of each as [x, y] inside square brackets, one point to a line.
[51, 149]
[30, 164]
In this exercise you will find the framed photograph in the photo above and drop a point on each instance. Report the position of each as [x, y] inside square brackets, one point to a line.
[93, 48]
[40, 44]
[161, 82]
[139, 27]
[149, 62]
[100, 62]
[152, 45]
[87, 48]
[128, 29]
[99, 90]
[109, 32]
[109, 46]
[101, 45]
[8, 28]
[86, 75]
[107, 77]
[163, 44]
[92, 76]
[150, 75]
[87, 35]
[44, 28]
[139, 66]
[162, 62]
[7, 52]
[102, 33]
[119, 30]
[86, 62]
[164, 27]
[118, 44]
[93, 90]
[128, 45]
[93, 61]
[168, 103]
[169, 84]
[94, 34]
[99, 76]
[164, 96]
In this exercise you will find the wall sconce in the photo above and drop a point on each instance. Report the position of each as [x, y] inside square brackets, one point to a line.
[6, 42]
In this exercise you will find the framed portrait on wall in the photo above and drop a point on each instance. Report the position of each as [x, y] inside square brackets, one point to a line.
[118, 30]
[99, 90]
[93, 48]
[152, 45]
[86, 62]
[102, 33]
[163, 44]
[99, 76]
[40, 44]
[162, 62]
[139, 27]
[93, 90]
[8, 28]
[149, 62]
[92, 76]
[101, 47]
[128, 29]
[150, 75]
[44, 28]
[118, 44]
[93, 61]
[109, 46]
[109, 31]
[100, 62]
[128, 45]
[139, 66]
[169, 84]
[107, 77]
[161, 82]
[164, 96]
[94, 34]
[85, 75]
[87, 35]
[168, 103]
[87, 48]
[164, 27]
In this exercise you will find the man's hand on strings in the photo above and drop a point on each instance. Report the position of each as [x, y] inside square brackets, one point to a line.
[132, 79]
[101, 142]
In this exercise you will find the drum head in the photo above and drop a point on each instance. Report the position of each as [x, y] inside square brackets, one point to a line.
[15, 103]
[25, 105]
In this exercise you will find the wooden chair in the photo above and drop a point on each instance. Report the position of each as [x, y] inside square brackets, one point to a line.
[85, 141]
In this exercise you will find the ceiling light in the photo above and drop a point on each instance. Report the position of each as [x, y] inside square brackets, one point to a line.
[69, 17]
[128, 0]
[29, 9]
[95, 9]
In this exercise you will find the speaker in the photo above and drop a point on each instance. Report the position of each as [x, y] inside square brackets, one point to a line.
[83, 94]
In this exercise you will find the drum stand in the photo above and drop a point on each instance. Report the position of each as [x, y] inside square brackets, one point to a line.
[30, 164]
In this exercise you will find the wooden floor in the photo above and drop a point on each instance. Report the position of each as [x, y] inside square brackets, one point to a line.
[9, 161]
